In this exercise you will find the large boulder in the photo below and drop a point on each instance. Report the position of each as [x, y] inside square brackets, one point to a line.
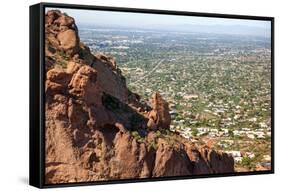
[83, 85]
[69, 41]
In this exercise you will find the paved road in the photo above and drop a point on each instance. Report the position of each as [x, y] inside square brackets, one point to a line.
[149, 73]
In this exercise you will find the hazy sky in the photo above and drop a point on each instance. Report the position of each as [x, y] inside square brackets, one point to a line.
[155, 20]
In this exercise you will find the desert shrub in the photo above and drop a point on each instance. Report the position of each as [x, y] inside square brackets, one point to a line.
[267, 138]
[231, 134]
[63, 55]
[137, 136]
[171, 141]
[247, 162]
[62, 63]
[194, 132]
[158, 133]
[153, 144]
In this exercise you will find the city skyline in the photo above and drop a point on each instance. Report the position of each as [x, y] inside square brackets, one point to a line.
[170, 22]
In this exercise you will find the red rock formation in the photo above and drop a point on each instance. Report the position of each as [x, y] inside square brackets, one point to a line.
[159, 116]
[62, 44]
[96, 129]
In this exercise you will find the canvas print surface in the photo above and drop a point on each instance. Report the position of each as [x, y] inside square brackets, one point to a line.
[138, 95]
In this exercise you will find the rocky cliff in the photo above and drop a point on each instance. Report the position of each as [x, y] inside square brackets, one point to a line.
[97, 129]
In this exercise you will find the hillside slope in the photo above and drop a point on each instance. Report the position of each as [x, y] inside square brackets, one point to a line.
[97, 129]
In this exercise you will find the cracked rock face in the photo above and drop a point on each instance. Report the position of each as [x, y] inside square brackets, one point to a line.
[96, 129]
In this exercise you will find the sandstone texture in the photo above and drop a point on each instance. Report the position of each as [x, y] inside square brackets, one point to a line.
[97, 129]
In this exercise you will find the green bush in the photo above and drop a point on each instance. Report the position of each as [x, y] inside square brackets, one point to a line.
[194, 132]
[231, 134]
[158, 133]
[248, 162]
[137, 136]
[154, 145]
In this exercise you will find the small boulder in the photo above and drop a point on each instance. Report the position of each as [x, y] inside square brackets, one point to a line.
[51, 16]
[64, 20]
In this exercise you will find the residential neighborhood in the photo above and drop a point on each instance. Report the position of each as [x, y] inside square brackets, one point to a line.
[218, 86]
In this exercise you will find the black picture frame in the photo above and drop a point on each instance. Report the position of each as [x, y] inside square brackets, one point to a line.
[37, 89]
